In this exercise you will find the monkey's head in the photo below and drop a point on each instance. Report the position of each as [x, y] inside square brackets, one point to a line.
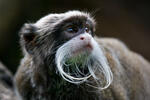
[66, 41]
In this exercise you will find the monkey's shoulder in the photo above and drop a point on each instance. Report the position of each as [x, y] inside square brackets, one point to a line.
[113, 43]
[117, 48]
[128, 68]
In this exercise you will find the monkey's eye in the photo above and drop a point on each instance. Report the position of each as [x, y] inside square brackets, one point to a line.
[87, 29]
[72, 29]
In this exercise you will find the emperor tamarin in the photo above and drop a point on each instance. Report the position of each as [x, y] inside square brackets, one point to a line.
[64, 60]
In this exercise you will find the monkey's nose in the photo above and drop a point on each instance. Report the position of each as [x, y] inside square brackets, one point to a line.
[85, 37]
[81, 38]
[87, 41]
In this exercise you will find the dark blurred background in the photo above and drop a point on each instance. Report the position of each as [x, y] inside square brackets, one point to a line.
[127, 20]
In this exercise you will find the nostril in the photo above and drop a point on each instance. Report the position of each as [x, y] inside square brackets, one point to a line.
[81, 38]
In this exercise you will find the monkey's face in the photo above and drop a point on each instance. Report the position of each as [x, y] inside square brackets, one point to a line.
[77, 34]
[69, 36]
[80, 57]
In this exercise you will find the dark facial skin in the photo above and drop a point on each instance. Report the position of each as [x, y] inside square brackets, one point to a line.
[71, 30]
[73, 27]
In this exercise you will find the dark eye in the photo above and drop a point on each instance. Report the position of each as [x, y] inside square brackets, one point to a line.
[72, 29]
[87, 29]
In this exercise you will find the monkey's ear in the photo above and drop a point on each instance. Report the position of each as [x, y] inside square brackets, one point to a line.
[28, 32]
[27, 37]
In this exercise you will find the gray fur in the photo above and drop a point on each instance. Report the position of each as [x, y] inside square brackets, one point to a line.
[38, 79]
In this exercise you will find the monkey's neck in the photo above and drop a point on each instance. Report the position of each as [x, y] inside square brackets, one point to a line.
[51, 85]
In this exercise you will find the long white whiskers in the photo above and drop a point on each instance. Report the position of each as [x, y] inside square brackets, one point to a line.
[100, 65]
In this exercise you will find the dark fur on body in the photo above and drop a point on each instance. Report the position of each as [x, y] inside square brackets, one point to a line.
[37, 77]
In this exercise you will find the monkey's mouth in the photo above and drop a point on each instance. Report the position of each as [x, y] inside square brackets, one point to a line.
[81, 52]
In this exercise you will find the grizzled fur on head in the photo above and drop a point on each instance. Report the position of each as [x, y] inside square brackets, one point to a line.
[42, 35]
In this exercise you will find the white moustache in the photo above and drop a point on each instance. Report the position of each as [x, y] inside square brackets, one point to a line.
[84, 44]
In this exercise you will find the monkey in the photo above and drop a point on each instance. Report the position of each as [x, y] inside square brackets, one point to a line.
[65, 60]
